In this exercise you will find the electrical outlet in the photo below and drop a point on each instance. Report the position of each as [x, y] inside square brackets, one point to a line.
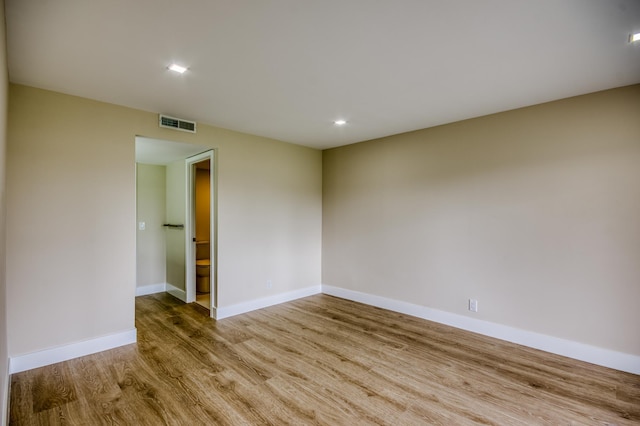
[142, 226]
[269, 284]
[473, 305]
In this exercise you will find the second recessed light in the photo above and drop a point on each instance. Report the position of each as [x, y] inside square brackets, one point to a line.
[340, 122]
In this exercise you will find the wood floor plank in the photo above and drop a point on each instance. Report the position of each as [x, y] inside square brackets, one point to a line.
[317, 361]
[52, 389]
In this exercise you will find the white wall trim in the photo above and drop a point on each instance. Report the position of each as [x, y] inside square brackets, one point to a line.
[176, 292]
[74, 350]
[576, 350]
[252, 305]
[151, 289]
[4, 411]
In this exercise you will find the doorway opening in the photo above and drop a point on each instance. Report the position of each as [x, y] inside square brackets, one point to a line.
[175, 239]
[201, 266]
[202, 230]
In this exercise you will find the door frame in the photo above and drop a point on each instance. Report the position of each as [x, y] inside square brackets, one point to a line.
[190, 245]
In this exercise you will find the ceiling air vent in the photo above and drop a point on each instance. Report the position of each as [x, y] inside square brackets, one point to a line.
[177, 124]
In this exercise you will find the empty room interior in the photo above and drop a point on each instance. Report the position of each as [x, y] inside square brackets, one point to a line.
[336, 212]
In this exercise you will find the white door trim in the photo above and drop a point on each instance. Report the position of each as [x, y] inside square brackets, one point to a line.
[190, 254]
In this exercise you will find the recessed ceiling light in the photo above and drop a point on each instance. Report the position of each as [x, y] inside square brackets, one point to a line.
[634, 37]
[177, 68]
[340, 122]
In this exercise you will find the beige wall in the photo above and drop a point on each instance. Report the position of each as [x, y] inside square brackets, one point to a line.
[4, 358]
[176, 214]
[533, 212]
[71, 226]
[150, 242]
[272, 232]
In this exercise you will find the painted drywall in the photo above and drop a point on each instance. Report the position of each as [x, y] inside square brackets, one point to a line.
[71, 255]
[4, 355]
[150, 209]
[176, 214]
[272, 231]
[532, 212]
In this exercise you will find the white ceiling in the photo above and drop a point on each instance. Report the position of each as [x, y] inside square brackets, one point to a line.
[286, 69]
[161, 152]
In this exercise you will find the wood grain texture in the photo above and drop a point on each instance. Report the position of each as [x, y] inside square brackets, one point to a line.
[317, 361]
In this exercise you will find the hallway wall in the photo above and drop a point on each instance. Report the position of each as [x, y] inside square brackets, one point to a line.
[150, 242]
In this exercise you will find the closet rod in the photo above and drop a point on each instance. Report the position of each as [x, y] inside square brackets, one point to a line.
[169, 225]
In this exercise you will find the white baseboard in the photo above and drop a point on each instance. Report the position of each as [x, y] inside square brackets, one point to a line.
[176, 292]
[576, 350]
[6, 387]
[151, 289]
[252, 305]
[74, 350]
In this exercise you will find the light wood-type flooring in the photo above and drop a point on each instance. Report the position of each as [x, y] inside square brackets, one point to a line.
[204, 300]
[318, 360]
